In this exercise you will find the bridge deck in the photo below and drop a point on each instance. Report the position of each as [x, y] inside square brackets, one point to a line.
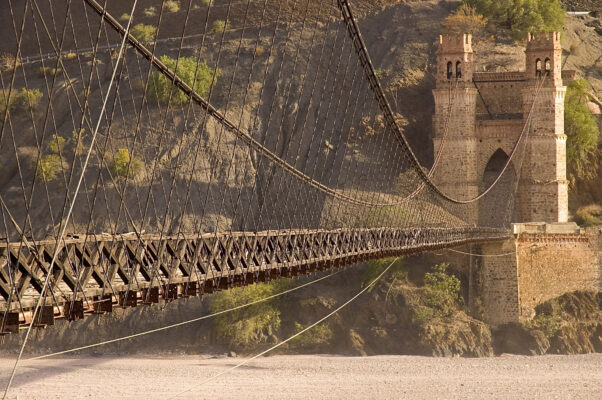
[92, 273]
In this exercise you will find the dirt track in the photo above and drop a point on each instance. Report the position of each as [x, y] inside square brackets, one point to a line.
[310, 377]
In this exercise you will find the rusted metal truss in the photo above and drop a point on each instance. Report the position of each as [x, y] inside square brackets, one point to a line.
[94, 273]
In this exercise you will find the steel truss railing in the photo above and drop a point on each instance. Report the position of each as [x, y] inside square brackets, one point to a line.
[93, 273]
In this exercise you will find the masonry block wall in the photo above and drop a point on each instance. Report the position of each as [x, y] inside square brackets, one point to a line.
[550, 265]
[545, 264]
[478, 118]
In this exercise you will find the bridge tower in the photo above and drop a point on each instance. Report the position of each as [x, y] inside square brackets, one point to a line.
[455, 110]
[543, 193]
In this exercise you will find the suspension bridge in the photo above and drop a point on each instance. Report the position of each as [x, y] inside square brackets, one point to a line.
[257, 144]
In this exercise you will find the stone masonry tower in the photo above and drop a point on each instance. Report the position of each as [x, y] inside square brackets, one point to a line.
[543, 193]
[455, 106]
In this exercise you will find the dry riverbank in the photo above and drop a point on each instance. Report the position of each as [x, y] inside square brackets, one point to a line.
[310, 377]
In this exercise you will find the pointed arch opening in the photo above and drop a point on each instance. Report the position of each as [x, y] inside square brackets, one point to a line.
[497, 207]
[458, 70]
[450, 70]
[548, 66]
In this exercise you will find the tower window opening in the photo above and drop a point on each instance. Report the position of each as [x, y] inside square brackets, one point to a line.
[458, 70]
[538, 67]
[548, 67]
[449, 70]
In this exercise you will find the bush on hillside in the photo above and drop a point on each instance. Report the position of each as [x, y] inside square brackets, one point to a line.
[22, 99]
[246, 327]
[172, 6]
[465, 19]
[581, 129]
[398, 271]
[220, 26]
[143, 32]
[441, 295]
[590, 215]
[8, 62]
[48, 167]
[520, 17]
[161, 90]
[56, 144]
[29, 98]
[319, 335]
[150, 11]
[6, 102]
[124, 165]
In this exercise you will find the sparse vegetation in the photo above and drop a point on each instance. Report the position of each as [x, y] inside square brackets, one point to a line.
[172, 6]
[150, 11]
[465, 19]
[143, 32]
[590, 215]
[29, 98]
[124, 165]
[56, 144]
[247, 327]
[161, 89]
[441, 295]
[48, 167]
[220, 26]
[581, 129]
[8, 62]
[398, 271]
[125, 17]
[22, 99]
[549, 324]
[70, 56]
[319, 335]
[520, 17]
[49, 71]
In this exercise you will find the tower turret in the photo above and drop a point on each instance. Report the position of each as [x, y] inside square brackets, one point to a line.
[544, 190]
[455, 111]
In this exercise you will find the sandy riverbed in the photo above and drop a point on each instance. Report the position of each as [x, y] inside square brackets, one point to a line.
[309, 377]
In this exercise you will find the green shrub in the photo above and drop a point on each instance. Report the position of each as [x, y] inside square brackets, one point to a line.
[172, 6]
[441, 290]
[423, 315]
[520, 17]
[548, 324]
[249, 326]
[56, 144]
[161, 90]
[6, 102]
[77, 137]
[220, 26]
[319, 335]
[29, 98]
[124, 166]
[465, 19]
[49, 71]
[8, 62]
[581, 129]
[48, 167]
[143, 32]
[398, 270]
[125, 17]
[150, 11]
[590, 215]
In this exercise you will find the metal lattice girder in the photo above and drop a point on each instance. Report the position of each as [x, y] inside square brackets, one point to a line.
[95, 267]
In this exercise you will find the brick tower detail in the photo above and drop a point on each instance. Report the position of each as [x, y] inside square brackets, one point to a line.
[455, 107]
[544, 192]
[482, 114]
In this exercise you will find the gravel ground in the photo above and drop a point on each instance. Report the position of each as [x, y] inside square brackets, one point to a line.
[309, 377]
